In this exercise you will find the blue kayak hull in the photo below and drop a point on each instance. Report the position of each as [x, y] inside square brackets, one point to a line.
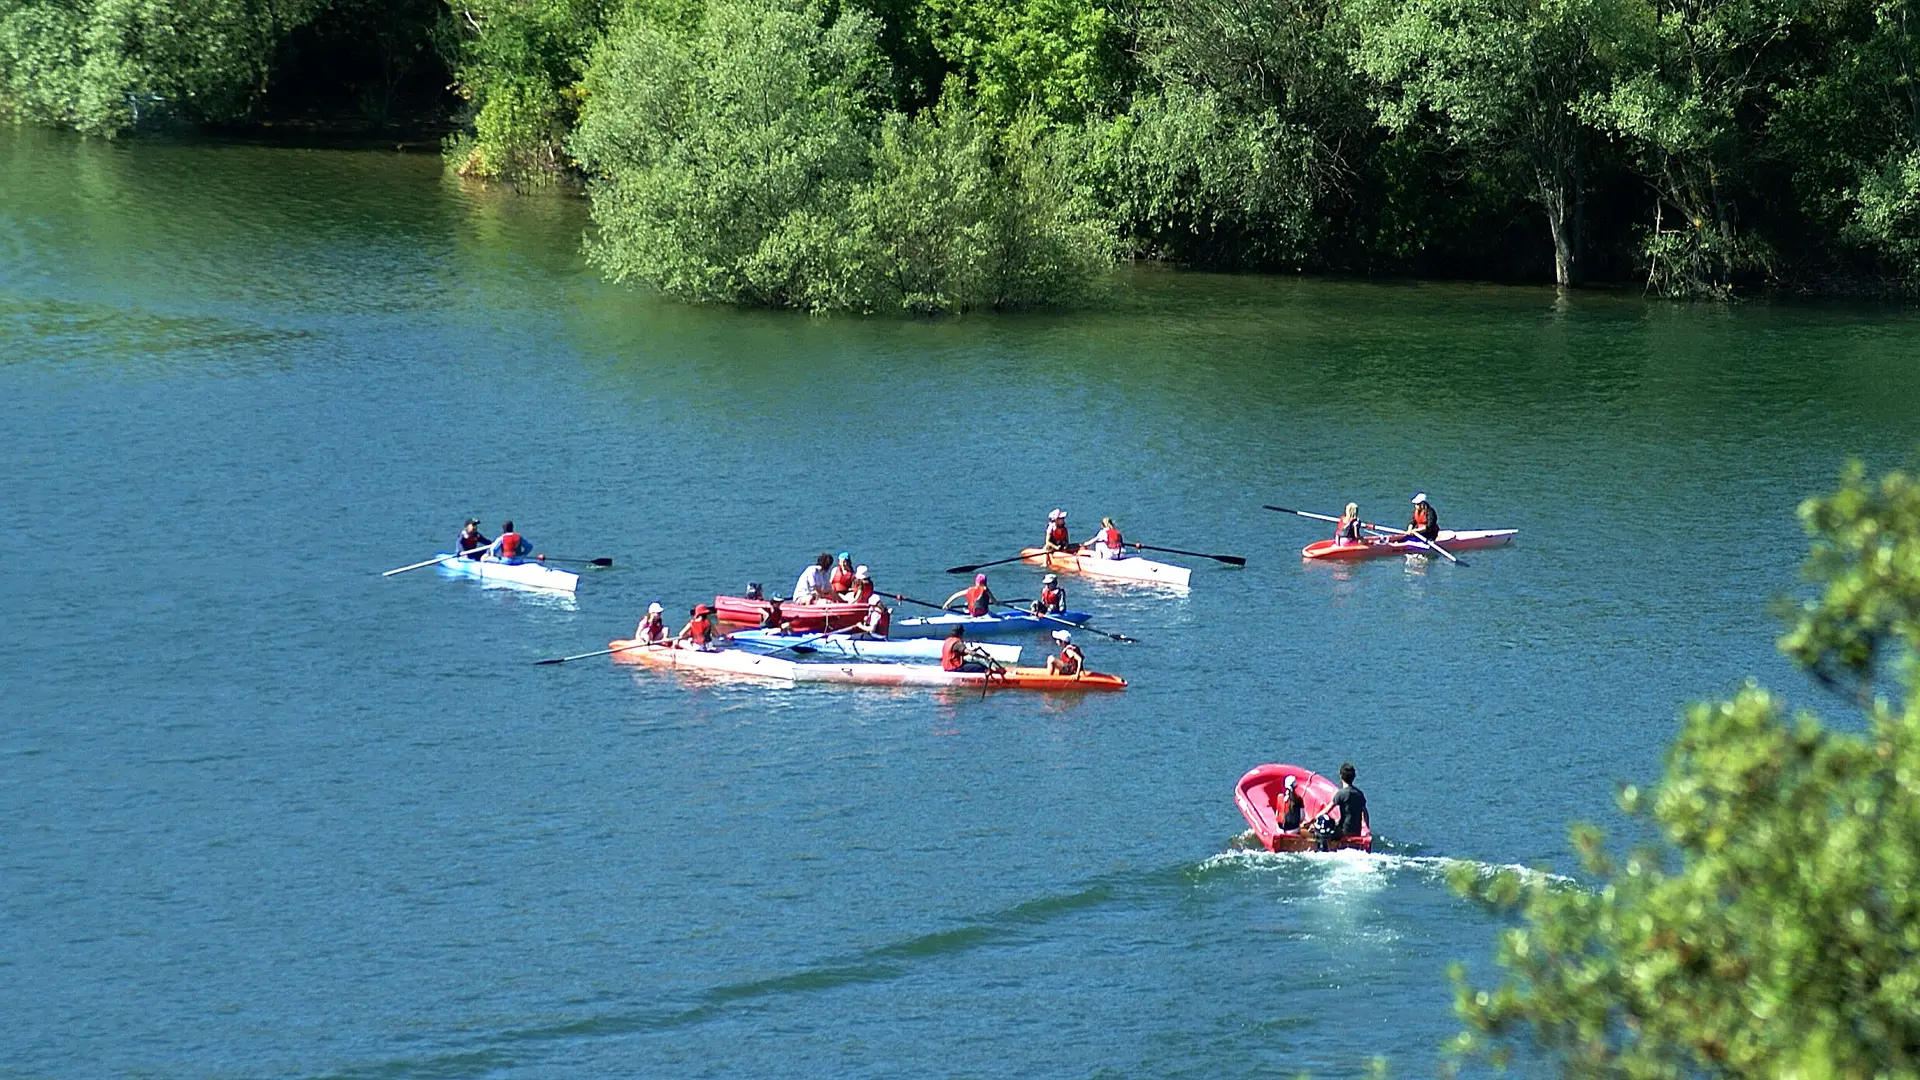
[986, 626]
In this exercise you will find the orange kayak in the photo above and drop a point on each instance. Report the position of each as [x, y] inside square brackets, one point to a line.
[755, 665]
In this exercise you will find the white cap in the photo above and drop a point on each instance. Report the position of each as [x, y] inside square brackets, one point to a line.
[1062, 636]
[860, 572]
[1420, 498]
[874, 600]
[654, 609]
[1289, 783]
[1050, 579]
[1057, 514]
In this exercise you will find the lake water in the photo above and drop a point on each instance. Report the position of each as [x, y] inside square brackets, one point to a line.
[271, 814]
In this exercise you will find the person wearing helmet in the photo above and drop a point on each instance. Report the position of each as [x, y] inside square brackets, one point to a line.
[1052, 599]
[841, 579]
[1348, 530]
[813, 586]
[980, 599]
[1426, 520]
[702, 629]
[1107, 543]
[471, 543]
[878, 620]
[1057, 538]
[1289, 809]
[862, 588]
[653, 625]
[1070, 660]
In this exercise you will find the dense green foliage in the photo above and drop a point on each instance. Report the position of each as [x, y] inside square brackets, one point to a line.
[1702, 147]
[1776, 931]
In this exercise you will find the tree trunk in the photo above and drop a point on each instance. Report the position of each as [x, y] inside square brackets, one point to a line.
[1563, 218]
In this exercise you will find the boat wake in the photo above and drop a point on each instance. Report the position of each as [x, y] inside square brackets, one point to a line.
[1353, 866]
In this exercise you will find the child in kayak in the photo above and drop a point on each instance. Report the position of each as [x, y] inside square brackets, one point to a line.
[1426, 520]
[878, 621]
[701, 630]
[1070, 660]
[1052, 599]
[955, 655]
[1107, 543]
[1057, 538]
[1348, 531]
[979, 598]
[653, 626]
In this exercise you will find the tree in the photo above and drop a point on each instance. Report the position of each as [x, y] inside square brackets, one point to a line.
[1506, 79]
[1777, 931]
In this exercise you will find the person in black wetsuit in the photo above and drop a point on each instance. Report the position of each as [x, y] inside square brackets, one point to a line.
[1352, 804]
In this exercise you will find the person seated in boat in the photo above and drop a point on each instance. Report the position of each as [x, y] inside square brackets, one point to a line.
[1289, 809]
[878, 620]
[1348, 530]
[1107, 543]
[509, 546]
[1052, 599]
[955, 655]
[471, 543]
[1057, 538]
[1426, 520]
[813, 586]
[979, 598]
[840, 579]
[754, 592]
[653, 625]
[1070, 660]
[1351, 803]
[862, 588]
[701, 631]
[772, 618]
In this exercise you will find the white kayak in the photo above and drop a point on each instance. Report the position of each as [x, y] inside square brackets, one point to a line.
[1125, 568]
[859, 648]
[526, 575]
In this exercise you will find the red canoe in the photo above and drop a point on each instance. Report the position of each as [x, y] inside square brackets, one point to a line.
[739, 609]
[1376, 546]
[1255, 795]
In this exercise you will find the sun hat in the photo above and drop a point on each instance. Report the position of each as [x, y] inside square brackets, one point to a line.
[860, 573]
[702, 609]
[1289, 783]
[874, 600]
[1057, 514]
[1050, 579]
[655, 608]
[1420, 498]
[1062, 636]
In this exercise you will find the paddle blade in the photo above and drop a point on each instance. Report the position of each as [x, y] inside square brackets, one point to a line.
[555, 660]
[601, 562]
[961, 570]
[1231, 560]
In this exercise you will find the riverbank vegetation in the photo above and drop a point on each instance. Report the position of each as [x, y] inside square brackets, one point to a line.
[1775, 928]
[939, 154]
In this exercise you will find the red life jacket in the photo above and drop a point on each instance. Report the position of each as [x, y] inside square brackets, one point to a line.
[1422, 516]
[841, 580]
[862, 592]
[653, 628]
[698, 630]
[1053, 598]
[512, 545]
[1110, 537]
[977, 600]
[953, 654]
[1057, 534]
[1070, 660]
[885, 624]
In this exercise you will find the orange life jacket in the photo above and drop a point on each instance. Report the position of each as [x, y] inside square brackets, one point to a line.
[841, 580]
[512, 545]
[953, 654]
[1110, 537]
[862, 592]
[1057, 534]
[1070, 660]
[1422, 516]
[1053, 598]
[977, 600]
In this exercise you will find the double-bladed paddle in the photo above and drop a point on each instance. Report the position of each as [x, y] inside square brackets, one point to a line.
[1230, 560]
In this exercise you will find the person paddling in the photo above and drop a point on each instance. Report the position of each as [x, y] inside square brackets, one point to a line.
[772, 617]
[1351, 802]
[1057, 536]
[862, 589]
[1348, 530]
[979, 598]
[653, 625]
[701, 630]
[878, 620]
[509, 546]
[954, 653]
[840, 581]
[1052, 599]
[471, 543]
[814, 586]
[1107, 543]
[1070, 660]
[1426, 520]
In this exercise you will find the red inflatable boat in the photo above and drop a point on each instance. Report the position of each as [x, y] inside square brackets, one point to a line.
[1261, 788]
[745, 612]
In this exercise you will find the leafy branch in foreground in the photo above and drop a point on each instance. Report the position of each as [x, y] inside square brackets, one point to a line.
[1775, 930]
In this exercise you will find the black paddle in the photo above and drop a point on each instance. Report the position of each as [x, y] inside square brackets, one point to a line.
[981, 566]
[1069, 625]
[577, 559]
[1230, 560]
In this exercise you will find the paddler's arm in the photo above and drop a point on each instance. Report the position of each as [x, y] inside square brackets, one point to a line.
[961, 595]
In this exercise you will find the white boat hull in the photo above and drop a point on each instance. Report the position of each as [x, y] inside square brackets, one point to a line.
[525, 575]
[1130, 568]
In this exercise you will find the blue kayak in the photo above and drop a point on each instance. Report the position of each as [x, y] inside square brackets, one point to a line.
[1012, 622]
[859, 648]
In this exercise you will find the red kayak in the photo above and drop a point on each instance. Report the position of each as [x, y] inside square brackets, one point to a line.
[1375, 546]
[745, 612]
[1262, 786]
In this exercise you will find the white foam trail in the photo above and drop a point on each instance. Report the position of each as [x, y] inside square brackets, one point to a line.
[1366, 870]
